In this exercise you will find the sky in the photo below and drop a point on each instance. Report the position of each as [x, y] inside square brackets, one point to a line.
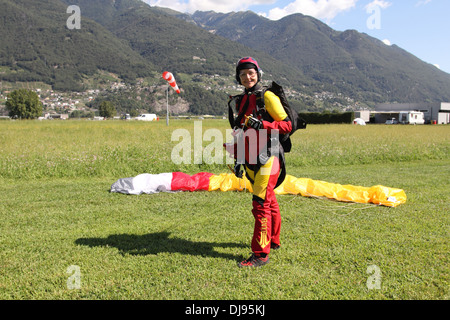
[421, 27]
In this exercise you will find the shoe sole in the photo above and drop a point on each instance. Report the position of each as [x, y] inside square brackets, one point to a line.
[253, 265]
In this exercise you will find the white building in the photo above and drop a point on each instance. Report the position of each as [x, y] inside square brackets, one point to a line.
[438, 113]
[444, 113]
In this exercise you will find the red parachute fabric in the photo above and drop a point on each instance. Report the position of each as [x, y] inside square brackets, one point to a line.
[184, 182]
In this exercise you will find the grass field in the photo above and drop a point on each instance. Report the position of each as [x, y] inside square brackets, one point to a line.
[63, 235]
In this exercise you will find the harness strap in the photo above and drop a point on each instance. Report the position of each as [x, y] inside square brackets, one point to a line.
[236, 122]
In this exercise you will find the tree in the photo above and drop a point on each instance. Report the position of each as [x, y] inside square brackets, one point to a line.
[24, 104]
[107, 109]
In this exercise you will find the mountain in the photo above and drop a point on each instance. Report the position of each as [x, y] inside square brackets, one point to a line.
[173, 43]
[36, 45]
[350, 62]
[125, 37]
[320, 67]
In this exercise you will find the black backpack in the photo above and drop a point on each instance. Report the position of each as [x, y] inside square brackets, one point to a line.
[296, 121]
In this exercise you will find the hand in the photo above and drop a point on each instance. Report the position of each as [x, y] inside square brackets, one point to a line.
[254, 123]
[237, 171]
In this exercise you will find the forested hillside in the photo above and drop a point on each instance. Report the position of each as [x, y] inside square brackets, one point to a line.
[320, 68]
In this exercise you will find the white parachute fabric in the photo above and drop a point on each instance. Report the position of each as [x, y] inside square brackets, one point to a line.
[144, 183]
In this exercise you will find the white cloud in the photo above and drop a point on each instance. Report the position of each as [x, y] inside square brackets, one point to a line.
[437, 66]
[387, 42]
[422, 3]
[205, 5]
[320, 9]
[379, 3]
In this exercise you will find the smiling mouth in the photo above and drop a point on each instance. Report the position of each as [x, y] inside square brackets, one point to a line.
[248, 82]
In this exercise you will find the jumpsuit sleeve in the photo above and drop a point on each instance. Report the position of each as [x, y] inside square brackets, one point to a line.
[275, 109]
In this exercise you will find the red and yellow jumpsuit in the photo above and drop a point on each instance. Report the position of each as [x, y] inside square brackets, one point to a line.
[264, 176]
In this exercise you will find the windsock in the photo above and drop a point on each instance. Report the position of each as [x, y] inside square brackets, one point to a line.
[170, 78]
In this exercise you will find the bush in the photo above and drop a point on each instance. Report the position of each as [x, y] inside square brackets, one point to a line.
[107, 109]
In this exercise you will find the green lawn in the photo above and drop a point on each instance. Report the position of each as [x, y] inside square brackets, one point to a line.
[57, 213]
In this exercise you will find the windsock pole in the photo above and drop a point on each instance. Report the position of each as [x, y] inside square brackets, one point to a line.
[167, 105]
[172, 83]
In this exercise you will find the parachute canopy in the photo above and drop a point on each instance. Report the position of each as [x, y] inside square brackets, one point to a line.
[171, 79]
[179, 181]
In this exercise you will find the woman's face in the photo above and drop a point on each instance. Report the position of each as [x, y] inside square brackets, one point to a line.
[249, 77]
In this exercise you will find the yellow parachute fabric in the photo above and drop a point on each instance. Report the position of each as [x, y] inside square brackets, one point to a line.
[229, 182]
[380, 195]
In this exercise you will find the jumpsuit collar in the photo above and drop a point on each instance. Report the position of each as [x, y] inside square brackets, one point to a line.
[256, 87]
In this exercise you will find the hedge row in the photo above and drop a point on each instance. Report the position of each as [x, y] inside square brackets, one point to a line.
[322, 118]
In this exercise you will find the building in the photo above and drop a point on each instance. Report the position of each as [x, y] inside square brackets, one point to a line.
[444, 113]
[438, 112]
[48, 116]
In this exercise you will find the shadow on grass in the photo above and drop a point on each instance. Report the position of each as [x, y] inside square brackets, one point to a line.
[154, 243]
